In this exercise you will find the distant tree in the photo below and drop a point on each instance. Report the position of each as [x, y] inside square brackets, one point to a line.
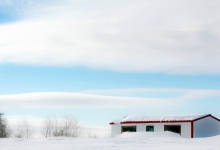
[90, 134]
[57, 131]
[24, 129]
[5, 131]
[47, 129]
[19, 133]
[27, 128]
[68, 126]
[71, 127]
[107, 134]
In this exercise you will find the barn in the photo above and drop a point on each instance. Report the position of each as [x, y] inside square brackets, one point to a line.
[189, 126]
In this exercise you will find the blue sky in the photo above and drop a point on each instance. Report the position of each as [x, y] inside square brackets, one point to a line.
[102, 60]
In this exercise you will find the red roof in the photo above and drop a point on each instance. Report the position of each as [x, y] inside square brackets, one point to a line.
[159, 119]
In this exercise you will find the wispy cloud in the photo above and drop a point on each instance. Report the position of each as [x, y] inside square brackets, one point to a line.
[146, 36]
[80, 100]
[76, 100]
[150, 92]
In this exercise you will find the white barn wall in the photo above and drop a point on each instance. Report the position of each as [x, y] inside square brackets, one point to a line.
[158, 127]
[206, 127]
[186, 129]
[115, 130]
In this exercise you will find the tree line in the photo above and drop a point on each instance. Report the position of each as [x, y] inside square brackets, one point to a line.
[67, 126]
[5, 131]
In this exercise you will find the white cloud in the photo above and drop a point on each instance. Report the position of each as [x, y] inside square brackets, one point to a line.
[146, 36]
[105, 99]
[77, 100]
[186, 94]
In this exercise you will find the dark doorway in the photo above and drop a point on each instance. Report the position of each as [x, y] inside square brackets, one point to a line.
[128, 129]
[173, 128]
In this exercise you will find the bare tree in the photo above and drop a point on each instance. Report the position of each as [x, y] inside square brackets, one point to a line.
[27, 128]
[47, 129]
[90, 134]
[56, 127]
[18, 132]
[67, 126]
[24, 129]
[72, 127]
[107, 134]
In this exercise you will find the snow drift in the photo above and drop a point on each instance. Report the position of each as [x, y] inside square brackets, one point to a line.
[166, 143]
[165, 134]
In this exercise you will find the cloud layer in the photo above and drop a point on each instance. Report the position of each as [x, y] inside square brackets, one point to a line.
[146, 36]
[76, 100]
[105, 99]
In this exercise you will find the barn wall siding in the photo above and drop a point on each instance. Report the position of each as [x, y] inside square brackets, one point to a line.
[115, 130]
[158, 127]
[206, 127]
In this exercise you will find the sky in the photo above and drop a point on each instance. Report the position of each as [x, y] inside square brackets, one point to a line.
[102, 60]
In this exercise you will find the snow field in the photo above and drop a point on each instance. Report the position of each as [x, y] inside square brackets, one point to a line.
[125, 141]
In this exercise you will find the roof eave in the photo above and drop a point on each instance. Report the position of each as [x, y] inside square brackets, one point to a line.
[130, 122]
[209, 115]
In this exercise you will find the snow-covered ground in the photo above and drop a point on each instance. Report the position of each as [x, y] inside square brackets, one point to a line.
[127, 141]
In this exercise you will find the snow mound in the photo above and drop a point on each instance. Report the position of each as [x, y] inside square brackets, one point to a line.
[165, 134]
[216, 137]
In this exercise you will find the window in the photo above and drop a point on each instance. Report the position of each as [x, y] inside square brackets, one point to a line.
[173, 128]
[150, 128]
[128, 129]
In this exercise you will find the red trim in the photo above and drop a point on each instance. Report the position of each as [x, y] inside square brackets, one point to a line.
[111, 123]
[207, 116]
[192, 129]
[202, 117]
[215, 118]
[192, 123]
[130, 122]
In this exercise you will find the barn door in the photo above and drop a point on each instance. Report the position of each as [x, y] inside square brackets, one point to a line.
[128, 129]
[173, 128]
